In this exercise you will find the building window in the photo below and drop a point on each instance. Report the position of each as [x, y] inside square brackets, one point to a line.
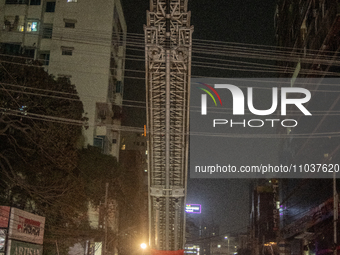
[68, 51]
[10, 49]
[16, 2]
[99, 141]
[44, 58]
[29, 52]
[119, 87]
[70, 23]
[32, 26]
[35, 2]
[72, 1]
[14, 23]
[50, 6]
[47, 31]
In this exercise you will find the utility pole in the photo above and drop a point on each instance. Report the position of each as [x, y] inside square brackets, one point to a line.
[105, 219]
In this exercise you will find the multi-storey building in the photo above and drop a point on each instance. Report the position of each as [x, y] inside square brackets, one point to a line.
[82, 40]
[309, 31]
[264, 219]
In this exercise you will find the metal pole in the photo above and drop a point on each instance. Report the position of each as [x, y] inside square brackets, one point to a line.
[335, 212]
[228, 247]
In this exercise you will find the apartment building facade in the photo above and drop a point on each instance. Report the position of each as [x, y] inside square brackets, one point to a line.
[82, 40]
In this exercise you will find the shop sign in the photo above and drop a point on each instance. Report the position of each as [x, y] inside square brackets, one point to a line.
[21, 248]
[25, 226]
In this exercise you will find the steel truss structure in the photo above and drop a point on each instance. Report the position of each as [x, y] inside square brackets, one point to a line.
[168, 42]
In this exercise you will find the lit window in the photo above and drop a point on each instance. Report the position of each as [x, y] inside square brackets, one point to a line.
[72, 1]
[14, 23]
[218, 246]
[32, 26]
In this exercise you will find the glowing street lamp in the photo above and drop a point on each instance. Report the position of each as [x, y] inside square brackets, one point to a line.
[226, 237]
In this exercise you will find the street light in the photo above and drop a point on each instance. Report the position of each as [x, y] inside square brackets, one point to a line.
[143, 246]
[226, 237]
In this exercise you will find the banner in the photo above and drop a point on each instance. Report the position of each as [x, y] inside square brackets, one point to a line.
[25, 226]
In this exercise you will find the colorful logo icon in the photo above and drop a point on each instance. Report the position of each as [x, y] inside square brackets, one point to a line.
[204, 97]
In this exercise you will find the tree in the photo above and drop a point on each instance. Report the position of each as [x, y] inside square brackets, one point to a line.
[40, 130]
[44, 168]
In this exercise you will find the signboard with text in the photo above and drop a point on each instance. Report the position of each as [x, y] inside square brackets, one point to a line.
[193, 208]
[21, 248]
[25, 226]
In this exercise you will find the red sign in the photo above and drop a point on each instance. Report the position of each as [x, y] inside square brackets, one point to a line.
[156, 252]
[27, 227]
[4, 216]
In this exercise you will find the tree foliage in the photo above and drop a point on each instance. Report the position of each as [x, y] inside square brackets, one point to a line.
[38, 149]
[43, 167]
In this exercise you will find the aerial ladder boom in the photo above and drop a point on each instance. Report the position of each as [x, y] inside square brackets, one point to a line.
[168, 41]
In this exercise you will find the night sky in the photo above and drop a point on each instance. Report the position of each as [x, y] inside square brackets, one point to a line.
[224, 201]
